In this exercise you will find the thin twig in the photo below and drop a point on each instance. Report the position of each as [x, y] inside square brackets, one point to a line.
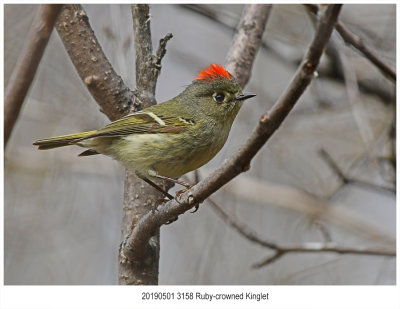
[325, 248]
[347, 179]
[27, 64]
[240, 161]
[148, 66]
[225, 18]
[162, 49]
[332, 164]
[242, 229]
[92, 65]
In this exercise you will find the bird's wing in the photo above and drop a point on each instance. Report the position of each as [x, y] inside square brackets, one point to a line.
[143, 123]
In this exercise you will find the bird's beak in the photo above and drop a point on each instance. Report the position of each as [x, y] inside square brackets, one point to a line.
[244, 96]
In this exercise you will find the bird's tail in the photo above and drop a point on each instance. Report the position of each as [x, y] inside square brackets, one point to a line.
[60, 141]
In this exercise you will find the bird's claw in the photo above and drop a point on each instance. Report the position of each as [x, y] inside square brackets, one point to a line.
[180, 192]
[196, 207]
[170, 221]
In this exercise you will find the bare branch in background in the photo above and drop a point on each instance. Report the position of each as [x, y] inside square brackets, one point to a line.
[27, 64]
[240, 161]
[325, 248]
[294, 199]
[358, 44]
[241, 228]
[92, 65]
[281, 250]
[357, 105]
[347, 179]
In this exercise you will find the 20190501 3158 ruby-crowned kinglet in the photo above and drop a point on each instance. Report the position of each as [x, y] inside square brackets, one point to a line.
[172, 138]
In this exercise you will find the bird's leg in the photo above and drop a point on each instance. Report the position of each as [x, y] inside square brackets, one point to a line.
[179, 182]
[155, 186]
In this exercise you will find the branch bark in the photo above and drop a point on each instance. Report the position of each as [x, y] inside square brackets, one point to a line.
[27, 64]
[92, 65]
[239, 162]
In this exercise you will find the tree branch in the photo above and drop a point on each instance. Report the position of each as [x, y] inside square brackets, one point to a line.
[92, 65]
[148, 66]
[27, 64]
[146, 76]
[139, 199]
[358, 44]
[239, 162]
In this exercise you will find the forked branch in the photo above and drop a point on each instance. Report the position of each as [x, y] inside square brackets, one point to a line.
[117, 100]
[92, 65]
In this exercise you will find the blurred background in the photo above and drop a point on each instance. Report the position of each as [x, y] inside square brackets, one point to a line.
[63, 213]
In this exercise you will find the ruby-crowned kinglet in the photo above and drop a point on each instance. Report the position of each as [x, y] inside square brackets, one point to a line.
[172, 138]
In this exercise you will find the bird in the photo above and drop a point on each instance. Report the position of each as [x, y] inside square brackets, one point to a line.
[172, 138]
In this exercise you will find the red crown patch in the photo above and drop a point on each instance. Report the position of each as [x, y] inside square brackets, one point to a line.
[214, 71]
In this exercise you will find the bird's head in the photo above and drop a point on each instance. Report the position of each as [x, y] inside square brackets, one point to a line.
[216, 93]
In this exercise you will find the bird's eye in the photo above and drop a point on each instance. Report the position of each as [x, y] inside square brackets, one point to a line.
[219, 97]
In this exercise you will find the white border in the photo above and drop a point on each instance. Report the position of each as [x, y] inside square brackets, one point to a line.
[310, 297]
[299, 297]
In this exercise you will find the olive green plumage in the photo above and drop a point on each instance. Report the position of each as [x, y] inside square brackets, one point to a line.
[171, 138]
